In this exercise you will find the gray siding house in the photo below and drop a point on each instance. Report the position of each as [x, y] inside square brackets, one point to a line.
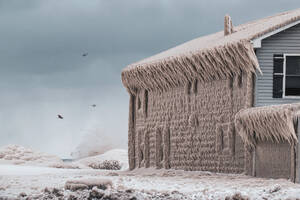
[278, 55]
[281, 50]
[226, 102]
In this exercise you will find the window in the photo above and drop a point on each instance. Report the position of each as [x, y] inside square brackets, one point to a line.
[278, 75]
[286, 75]
[291, 80]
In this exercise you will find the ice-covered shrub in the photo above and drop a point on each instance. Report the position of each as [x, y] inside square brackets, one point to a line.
[107, 164]
[114, 155]
[237, 196]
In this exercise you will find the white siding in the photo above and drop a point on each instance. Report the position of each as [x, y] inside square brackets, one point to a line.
[287, 41]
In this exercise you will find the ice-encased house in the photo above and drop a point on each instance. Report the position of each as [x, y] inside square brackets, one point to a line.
[225, 102]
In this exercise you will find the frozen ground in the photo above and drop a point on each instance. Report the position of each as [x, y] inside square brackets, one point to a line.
[25, 174]
[146, 183]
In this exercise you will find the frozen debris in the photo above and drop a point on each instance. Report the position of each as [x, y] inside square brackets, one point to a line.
[276, 188]
[92, 194]
[143, 184]
[22, 195]
[112, 174]
[129, 190]
[46, 190]
[96, 193]
[72, 197]
[75, 186]
[237, 196]
[65, 166]
[82, 184]
[57, 192]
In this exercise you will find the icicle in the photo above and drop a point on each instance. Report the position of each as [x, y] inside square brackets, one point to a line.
[272, 123]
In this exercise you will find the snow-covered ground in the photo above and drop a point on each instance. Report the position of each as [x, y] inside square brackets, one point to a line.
[24, 171]
[193, 185]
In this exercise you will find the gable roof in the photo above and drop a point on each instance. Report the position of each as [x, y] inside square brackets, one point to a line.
[206, 58]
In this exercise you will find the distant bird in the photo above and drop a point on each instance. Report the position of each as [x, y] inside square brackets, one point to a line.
[85, 54]
[60, 117]
[94, 105]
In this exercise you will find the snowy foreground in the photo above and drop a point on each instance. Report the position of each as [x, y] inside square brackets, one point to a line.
[28, 174]
[18, 181]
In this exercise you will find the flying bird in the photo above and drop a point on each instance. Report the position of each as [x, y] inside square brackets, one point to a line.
[60, 117]
[94, 105]
[85, 54]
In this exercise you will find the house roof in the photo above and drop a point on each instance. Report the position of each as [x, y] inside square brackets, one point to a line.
[268, 123]
[206, 58]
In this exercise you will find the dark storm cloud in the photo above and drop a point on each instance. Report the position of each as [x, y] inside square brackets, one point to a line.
[42, 72]
[51, 36]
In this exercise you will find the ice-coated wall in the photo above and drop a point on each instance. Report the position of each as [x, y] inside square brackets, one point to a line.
[189, 127]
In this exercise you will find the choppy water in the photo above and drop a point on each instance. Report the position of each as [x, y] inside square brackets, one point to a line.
[67, 159]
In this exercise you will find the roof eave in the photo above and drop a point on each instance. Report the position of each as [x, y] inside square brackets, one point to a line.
[257, 41]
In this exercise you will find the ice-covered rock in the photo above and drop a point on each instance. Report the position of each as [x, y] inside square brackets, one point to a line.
[82, 184]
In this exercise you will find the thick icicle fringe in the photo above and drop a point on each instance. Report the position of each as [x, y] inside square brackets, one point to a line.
[272, 123]
[205, 65]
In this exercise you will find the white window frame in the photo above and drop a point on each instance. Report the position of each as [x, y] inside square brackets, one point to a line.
[284, 77]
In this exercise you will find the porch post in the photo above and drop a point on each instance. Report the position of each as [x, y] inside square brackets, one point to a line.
[131, 133]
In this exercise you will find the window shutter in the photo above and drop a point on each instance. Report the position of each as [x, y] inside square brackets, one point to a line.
[277, 75]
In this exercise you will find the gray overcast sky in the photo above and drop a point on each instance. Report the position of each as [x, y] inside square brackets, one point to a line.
[42, 72]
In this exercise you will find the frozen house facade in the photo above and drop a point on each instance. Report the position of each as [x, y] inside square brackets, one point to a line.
[226, 102]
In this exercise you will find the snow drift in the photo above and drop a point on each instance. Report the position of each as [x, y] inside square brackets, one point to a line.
[119, 155]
